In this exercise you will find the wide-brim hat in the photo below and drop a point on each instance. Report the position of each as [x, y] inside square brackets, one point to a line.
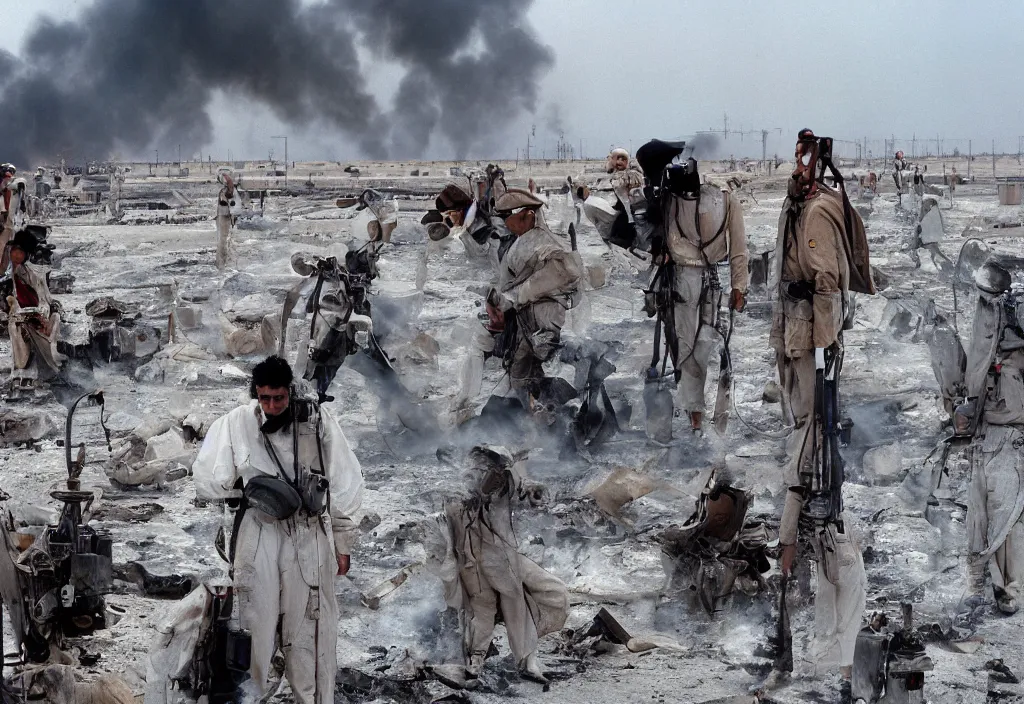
[515, 198]
[453, 197]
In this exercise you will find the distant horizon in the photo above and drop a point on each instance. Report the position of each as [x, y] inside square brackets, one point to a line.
[934, 75]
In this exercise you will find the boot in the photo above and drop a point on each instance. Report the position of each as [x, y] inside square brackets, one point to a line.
[845, 692]
[975, 575]
[775, 680]
[475, 664]
[1006, 601]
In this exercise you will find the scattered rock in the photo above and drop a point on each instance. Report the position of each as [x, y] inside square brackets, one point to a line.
[137, 513]
[641, 644]
[369, 522]
[188, 317]
[611, 628]
[166, 447]
[56, 684]
[598, 276]
[243, 342]
[772, 393]
[110, 307]
[620, 488]
[20, 424]
[422, 350]
[453, 676]
[884, 465]
[253, 308]
[930, 227]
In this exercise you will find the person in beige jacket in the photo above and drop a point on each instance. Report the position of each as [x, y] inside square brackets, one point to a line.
[703, 226]
[476, 554]
[538, 281]
[813, 279]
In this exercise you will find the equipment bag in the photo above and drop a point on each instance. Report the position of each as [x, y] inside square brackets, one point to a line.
[275, 497]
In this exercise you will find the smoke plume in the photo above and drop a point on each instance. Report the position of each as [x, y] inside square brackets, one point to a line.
[134, 75]
[704, 145]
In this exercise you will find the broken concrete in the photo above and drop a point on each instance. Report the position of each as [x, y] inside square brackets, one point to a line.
[30, 423]
[930, 228]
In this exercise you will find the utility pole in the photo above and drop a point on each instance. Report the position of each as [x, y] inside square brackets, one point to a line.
[913, 146]
[764, 145]
[725, 125]
[285, 138]
[970, 158]
[993, 158]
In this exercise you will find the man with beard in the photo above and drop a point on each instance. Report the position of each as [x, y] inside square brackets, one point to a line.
[538, 281]
[703, 226]
[821, 252]
[285, 462]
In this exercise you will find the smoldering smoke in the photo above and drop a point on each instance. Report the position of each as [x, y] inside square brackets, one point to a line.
[703, 145]
[133, 75]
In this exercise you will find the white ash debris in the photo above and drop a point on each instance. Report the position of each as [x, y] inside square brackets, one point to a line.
[164, 404]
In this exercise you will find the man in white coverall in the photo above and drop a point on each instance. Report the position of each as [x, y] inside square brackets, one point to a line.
[283, 568]
[226, 203]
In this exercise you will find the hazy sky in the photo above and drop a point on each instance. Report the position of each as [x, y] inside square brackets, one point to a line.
[629, 70]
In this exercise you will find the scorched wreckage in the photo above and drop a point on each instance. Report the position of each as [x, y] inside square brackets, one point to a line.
[457, 433]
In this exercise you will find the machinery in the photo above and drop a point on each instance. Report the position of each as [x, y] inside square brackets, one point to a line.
[889, 664]
[54, 588]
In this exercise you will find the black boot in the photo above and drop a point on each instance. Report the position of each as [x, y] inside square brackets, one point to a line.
[845, 692]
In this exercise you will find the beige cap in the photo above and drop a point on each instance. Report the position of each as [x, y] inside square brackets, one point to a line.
[518, 198]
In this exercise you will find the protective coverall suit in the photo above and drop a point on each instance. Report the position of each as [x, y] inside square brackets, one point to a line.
[226, 199]
[695, 247]
[995, 525]
[284, 570]
[538, 278]
[812, 274]
[483, 572]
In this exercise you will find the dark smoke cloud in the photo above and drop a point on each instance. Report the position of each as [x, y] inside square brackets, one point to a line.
[552, 117]
[133, 75]
[473, 64]
[704, 145]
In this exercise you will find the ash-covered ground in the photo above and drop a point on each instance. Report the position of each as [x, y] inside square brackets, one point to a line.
[912, 552]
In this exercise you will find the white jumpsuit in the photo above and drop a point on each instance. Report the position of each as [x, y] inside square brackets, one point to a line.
[284, 570]
[224, 224]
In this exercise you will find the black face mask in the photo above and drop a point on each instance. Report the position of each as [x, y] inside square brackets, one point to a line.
[278, 422]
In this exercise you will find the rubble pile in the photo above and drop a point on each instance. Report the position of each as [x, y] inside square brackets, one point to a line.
[655, 609]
